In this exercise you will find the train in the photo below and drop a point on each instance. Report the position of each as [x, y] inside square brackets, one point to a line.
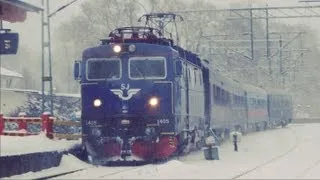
[145, 98]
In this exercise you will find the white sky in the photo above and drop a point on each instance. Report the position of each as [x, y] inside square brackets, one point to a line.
[30, 30]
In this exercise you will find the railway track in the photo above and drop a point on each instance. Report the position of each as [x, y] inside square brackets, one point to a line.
[67, 174]
[118, 172]
[60, 174]
[97, 172]
[93, 170]
[272, 160]
[309, 169]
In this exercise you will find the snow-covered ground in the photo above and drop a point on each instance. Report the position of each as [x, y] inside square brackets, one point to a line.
[290, 153]
[14, 145]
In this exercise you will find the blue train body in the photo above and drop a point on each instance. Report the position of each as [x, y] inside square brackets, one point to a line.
[144, 98]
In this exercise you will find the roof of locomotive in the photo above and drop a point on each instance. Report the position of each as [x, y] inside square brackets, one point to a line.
[136, 34]
[103, 51]
[148, 35]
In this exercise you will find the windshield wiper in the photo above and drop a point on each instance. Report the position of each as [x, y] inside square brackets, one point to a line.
[140, 73]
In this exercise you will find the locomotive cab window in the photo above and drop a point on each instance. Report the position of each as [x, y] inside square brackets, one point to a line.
[147, 68]
[103, 68]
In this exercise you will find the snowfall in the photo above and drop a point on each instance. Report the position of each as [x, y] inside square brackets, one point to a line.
[283, 153]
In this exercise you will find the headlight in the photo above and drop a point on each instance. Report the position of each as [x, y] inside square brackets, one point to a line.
[117, 48]
[153, 101]
[125, 122]
[97, 102]
[132, 48]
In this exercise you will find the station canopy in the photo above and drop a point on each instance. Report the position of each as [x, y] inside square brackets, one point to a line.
[16, 10]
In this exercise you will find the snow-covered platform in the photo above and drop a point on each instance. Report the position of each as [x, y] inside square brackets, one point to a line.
[291, 153]
[15, 145]
[20, 155]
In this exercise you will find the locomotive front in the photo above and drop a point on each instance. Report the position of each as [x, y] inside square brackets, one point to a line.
[127, 102]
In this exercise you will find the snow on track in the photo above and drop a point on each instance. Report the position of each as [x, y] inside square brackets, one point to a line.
[68, 163]
[291, 153]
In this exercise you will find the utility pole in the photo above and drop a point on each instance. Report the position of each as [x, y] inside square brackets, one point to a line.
[46, 50]
[267, 40]
[280, 58]
[251, 36]
[266, 13]
[252, 48]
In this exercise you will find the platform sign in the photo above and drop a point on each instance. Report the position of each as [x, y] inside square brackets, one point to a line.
[9, 43]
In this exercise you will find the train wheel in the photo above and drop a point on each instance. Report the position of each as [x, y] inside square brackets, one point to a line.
[94, 160]
[182, 143]
[257, 127]
[282, 123]
[265, 125]
[80, 152]
[83, 154]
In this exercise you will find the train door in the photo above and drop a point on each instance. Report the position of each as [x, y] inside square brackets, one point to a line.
[187, 94]
[183, 122]
[207, 95]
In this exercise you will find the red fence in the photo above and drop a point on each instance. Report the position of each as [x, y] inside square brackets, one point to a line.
[46, 122]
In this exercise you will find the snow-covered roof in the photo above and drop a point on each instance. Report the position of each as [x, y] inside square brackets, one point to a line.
[23, 4]
[9, 73]
[77, 95]
[68, 95]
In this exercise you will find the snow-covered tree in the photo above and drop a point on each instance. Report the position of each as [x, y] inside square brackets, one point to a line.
[225, 43]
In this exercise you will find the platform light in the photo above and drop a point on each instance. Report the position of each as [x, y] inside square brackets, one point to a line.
[97, 102]
[154, 101]
[125, 121]
[117, 48]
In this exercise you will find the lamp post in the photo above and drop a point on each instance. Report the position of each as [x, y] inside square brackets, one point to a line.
[46, 50]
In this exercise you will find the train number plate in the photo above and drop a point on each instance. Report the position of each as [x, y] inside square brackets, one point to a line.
[92, 123]
[163, 121]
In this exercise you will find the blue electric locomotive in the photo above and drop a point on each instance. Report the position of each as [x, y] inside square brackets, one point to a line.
[145, 98]
[135, 103]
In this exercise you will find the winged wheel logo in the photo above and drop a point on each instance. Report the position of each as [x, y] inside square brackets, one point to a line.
[120, 93]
